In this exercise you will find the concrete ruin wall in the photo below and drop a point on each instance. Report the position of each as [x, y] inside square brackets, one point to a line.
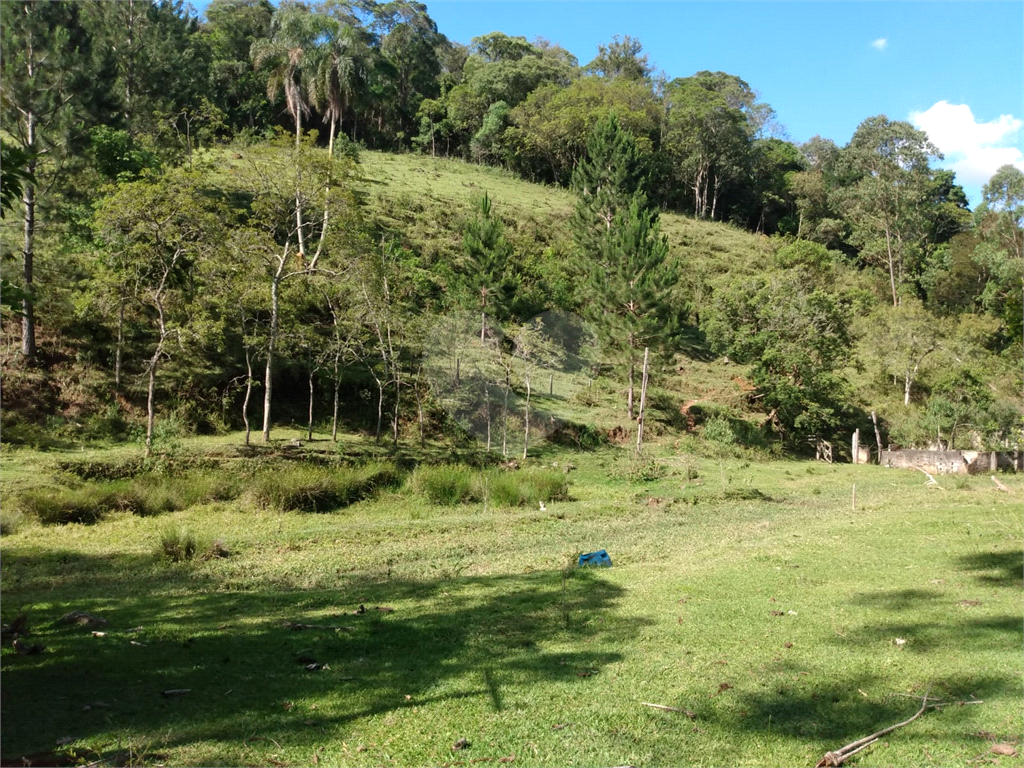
[952, 462]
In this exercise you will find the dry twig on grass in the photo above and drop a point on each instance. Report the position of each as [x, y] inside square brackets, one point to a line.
[999, 485]
[931, 480]
[296, 626]
[667, 708]
[836, 758]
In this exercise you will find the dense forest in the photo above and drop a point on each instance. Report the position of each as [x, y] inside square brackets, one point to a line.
[192, 239]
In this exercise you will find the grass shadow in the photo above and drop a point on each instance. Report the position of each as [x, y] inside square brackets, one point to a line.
[247, 669]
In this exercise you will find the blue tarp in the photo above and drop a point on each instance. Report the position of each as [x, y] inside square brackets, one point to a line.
[599, 558]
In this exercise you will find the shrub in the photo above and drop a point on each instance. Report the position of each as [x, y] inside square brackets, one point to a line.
[453, 484]
[11, 521]
[319, 489]
[639, 469]
[178, 544]
[446, 484]
[59, 506]
[170, 494]
[103, 470]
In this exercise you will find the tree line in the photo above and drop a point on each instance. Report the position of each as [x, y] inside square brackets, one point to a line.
[193, 271]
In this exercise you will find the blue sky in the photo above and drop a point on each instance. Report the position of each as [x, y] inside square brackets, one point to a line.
[955, 69]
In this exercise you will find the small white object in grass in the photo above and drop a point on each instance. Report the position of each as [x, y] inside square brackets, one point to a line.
[900, 641]
[542, 507]
[793, 613]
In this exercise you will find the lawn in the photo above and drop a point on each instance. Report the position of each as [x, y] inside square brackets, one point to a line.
[752, 595]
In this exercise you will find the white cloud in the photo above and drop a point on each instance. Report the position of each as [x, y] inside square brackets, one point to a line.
[974, 150]
[879, 44]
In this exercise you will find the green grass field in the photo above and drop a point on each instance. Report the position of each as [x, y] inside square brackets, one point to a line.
[751, 595]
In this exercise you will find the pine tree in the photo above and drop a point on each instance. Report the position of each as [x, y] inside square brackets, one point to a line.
[621, 252]
[487, 253]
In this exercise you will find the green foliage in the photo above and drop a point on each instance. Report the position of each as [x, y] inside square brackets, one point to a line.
[116, 155]
[719, 430]
[60, 506]
[446, 484]
[797, 338]
[639, 468]
[452, 484]
[318, 489]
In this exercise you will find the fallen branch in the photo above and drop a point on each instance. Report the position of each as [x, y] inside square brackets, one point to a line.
[999, 485]
[686, 712]
[836, 758]
[931, 480]
[295, 626]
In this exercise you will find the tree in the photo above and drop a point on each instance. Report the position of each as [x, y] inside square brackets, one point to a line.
[548, 134]
[165, 228]
[40, 81]
[886, 204]
[293, 33]
[901, 338]
[235, 86]
[338, 70]
[487, 252]
[797, 338]
[302, 212]
[707, 140]
[621, 253]
[533, 350]
[622, 57]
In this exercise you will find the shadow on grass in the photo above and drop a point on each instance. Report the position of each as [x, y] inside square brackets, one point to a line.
[247, 672]
[834, 711]
[826, 705]
[997, 569]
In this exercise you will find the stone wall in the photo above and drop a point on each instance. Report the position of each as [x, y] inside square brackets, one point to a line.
[952, 462]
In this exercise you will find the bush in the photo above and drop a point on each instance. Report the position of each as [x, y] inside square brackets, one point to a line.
[447, 484]
[119, 469]
[153, 495]
[11, 521]
[178, 544]
[639, 469]
[88, 504]
[319, 489]
[454, 484]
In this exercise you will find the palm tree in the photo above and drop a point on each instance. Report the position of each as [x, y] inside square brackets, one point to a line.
[337, 71]
[294, 32]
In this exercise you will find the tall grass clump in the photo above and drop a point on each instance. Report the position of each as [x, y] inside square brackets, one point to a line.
[153, 495]
[88, 504]
[319, 489]
[178, 544]
[451, 484]
[514, 489]
[446, 484]
[11, 521]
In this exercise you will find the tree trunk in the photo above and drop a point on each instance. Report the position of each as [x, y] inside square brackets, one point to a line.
[487, 405]
[892, 267]
[380, 409]
[643, 402]
[28, 320]
[526, 419]
[398, 402]
[907, 380]
[629, 392]
[309, 425]
[120, 346]
[150, 409]
[248, 394]
[878, 436]
[268, 380]
[334, 416]
[504, 425]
